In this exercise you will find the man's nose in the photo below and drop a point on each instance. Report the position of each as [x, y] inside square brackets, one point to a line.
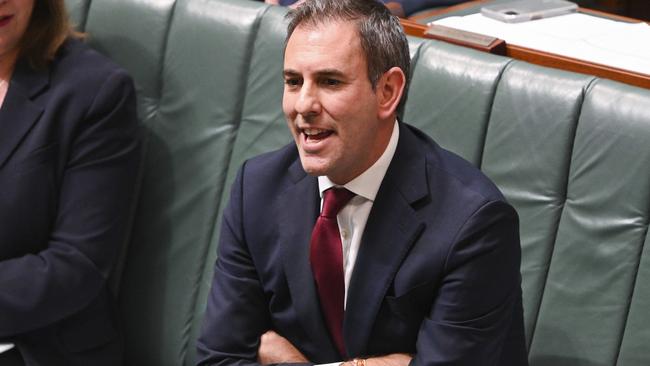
[308, 103]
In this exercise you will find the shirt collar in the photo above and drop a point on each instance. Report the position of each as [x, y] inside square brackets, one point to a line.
[367, 183]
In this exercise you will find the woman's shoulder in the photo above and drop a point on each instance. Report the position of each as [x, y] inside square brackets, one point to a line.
[77, 54]
[77, 62]
[81, 74]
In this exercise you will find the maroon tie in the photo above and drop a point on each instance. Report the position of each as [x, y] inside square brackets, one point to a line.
[326, 256]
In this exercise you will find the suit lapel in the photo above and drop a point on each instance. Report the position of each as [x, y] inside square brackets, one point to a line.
[19, 112]
[391, 230]
[301, 204]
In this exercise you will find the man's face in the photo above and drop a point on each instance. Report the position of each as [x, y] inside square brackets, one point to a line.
[329, 103]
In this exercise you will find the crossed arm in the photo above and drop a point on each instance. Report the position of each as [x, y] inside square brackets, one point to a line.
[468, 323]
[276, 349]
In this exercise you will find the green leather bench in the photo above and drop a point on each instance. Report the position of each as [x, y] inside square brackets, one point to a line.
[570, 151]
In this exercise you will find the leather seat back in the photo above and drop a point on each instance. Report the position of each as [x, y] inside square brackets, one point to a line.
[569, 151]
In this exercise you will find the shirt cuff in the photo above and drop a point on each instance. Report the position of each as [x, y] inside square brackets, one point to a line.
[4, 347]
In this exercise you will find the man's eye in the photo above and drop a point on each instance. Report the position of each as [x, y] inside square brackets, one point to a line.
[292, 82]
[331, 82]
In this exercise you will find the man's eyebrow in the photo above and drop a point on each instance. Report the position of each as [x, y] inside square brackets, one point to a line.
[290, 73]
[330, 73]
[319, 73]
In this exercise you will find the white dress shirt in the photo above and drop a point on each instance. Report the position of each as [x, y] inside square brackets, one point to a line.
[353, 217]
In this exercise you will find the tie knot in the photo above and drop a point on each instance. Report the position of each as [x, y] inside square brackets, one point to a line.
[334, 199]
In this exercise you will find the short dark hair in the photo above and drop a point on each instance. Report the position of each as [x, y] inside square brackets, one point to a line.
[48, 28]
[382, 37]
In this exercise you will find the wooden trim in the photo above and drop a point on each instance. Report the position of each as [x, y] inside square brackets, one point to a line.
[460, 7]
[497, 47]
[549, 59]
[412, 28]
[576, 65]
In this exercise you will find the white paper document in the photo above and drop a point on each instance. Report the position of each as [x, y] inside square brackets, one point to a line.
[580, 36]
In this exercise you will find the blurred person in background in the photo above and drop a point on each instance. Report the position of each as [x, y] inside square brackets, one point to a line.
[400, 8]
[69, 158]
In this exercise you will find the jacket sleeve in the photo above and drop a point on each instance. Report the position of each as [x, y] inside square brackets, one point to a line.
[480, 295]
[237, 312]
[95, 201]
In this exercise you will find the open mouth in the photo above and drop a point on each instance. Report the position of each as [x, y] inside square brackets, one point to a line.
[5, 19]
[315, 134]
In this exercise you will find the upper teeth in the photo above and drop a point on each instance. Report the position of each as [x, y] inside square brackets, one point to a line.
[313, 131]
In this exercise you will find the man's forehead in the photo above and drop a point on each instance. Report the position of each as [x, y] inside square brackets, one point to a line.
[325, 48]
[313, 55]
[337, 29]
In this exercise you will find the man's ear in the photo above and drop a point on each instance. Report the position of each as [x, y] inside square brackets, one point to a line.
[390, 88]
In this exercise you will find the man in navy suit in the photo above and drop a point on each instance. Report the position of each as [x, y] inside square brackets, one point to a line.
[423, 267]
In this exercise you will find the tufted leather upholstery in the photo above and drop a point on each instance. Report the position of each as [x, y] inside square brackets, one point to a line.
[570, 151]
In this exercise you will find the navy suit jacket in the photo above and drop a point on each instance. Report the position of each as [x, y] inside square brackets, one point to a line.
[69, 155]
[437, 273]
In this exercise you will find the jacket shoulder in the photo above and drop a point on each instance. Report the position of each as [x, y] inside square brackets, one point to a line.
[274, 165]
[445, 166]
[77, 60]
[78, 74]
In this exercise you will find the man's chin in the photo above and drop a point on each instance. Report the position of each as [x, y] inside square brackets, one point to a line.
[312, 167]
[314, 172]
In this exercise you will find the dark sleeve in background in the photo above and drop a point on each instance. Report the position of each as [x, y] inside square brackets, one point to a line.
[413, 6]
[409, 6]
[236, 313]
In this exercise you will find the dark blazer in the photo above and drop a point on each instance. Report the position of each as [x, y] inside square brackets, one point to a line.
[69, 156]
[437, 274]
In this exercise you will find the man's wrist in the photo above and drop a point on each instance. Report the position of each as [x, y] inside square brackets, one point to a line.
[352, 362]
[359, 362]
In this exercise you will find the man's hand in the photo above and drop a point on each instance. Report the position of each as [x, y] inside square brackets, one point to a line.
[394, 359]
[274, 348]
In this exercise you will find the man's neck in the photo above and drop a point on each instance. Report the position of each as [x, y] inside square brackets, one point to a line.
[376, 151]
[367, 183]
